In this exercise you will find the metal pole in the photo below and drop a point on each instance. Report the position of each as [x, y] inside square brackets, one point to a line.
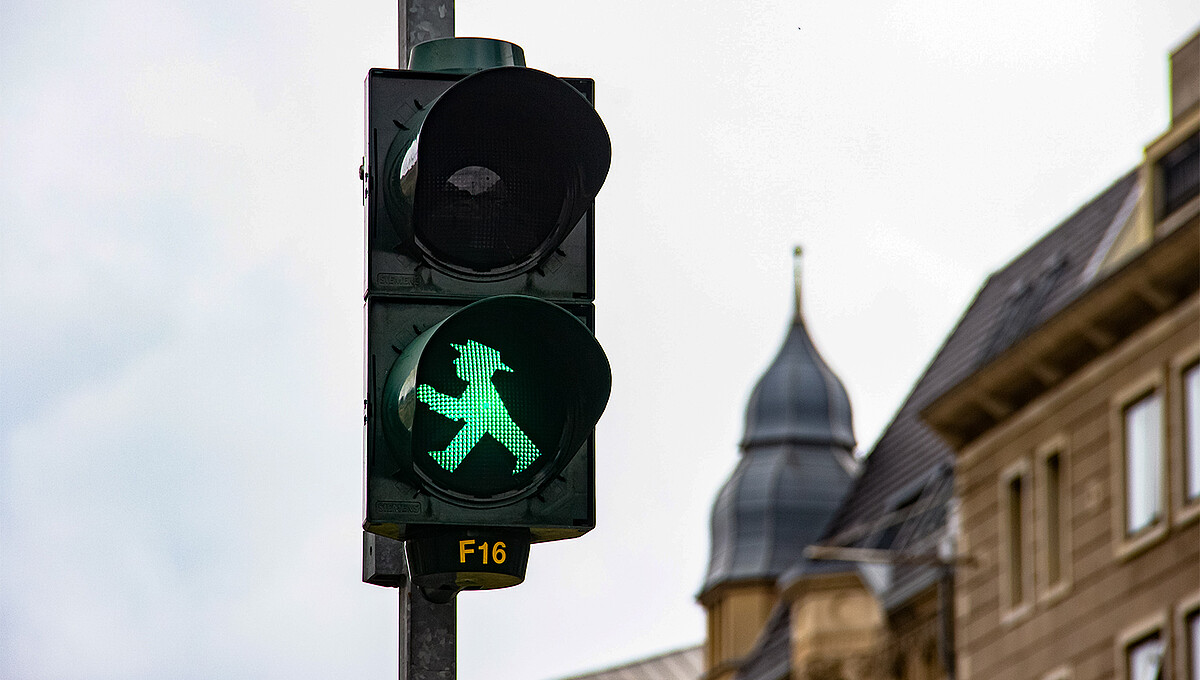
[428, 631]
[422, 20]
[428, 636]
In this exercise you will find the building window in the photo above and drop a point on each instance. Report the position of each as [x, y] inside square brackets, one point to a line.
[1053, 514]
[1013, 517]
[1053, 517]
[1016, 529]
[1144, 658]
[1191, 430]
[1180, 172]
[1143, 462]
[1016, 556]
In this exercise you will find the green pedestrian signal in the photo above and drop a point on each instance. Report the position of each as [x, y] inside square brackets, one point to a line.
[480, 408]
[484, 414]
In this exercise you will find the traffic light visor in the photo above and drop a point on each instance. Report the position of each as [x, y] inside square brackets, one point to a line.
[502, 166]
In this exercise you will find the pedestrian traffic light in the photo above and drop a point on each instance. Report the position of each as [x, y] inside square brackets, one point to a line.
[488, 406]
[484, 381]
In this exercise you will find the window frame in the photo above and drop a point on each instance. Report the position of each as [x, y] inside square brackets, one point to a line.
[1135, 645]
[1187, 648]
[1143, 463]
[1126, 545]
[1184, 508]
[1129, 638]
[1163, 208]
[1012, 608]
[1051, 589]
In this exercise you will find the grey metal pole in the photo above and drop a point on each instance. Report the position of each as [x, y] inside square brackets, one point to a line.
[428, 637]
[422, 20]
[428, 631]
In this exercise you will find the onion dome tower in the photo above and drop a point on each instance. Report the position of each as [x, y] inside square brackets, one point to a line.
[796, 464]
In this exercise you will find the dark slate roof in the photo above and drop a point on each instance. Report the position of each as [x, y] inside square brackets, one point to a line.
[795, 467]
[799, 400]
[1038, 284]
[775, 504]
[1050, 274]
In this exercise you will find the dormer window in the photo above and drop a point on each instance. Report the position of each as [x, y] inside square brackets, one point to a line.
[1180, 173]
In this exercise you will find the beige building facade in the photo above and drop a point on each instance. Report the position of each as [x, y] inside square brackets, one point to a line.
[1084, 538]
[1033, 511]
[1077, 468]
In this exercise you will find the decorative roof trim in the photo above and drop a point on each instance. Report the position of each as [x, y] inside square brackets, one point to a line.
[1115, 228]
[708, 596]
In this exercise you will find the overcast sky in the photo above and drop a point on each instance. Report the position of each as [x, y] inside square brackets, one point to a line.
[181, 292]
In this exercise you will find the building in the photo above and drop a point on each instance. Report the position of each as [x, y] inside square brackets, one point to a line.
[1032, 512]
[1076, 434]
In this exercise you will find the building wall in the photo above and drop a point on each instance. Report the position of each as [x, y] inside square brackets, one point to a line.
[1013, 620]
[736, 614]
[1185, 77]
[913, 652]
[838, 629]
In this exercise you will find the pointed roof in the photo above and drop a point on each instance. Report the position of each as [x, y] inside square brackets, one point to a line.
[798, 400]
[796, 464]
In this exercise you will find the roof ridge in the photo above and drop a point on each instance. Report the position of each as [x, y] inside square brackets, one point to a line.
[1098, 196]
[949, 361]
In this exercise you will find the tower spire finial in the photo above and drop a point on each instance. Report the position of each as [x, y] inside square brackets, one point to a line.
[796, 254]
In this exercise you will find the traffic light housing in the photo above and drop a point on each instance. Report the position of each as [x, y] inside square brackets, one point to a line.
[485, 419]
[483, 379]
[481, 184]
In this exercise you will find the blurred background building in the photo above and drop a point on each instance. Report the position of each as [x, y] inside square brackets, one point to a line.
[1033, 509]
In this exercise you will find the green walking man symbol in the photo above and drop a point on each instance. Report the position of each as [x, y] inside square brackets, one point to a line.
[480, 408]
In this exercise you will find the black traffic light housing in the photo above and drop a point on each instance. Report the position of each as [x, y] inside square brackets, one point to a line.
[482, 184]
[552, 380]
[479, 185]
